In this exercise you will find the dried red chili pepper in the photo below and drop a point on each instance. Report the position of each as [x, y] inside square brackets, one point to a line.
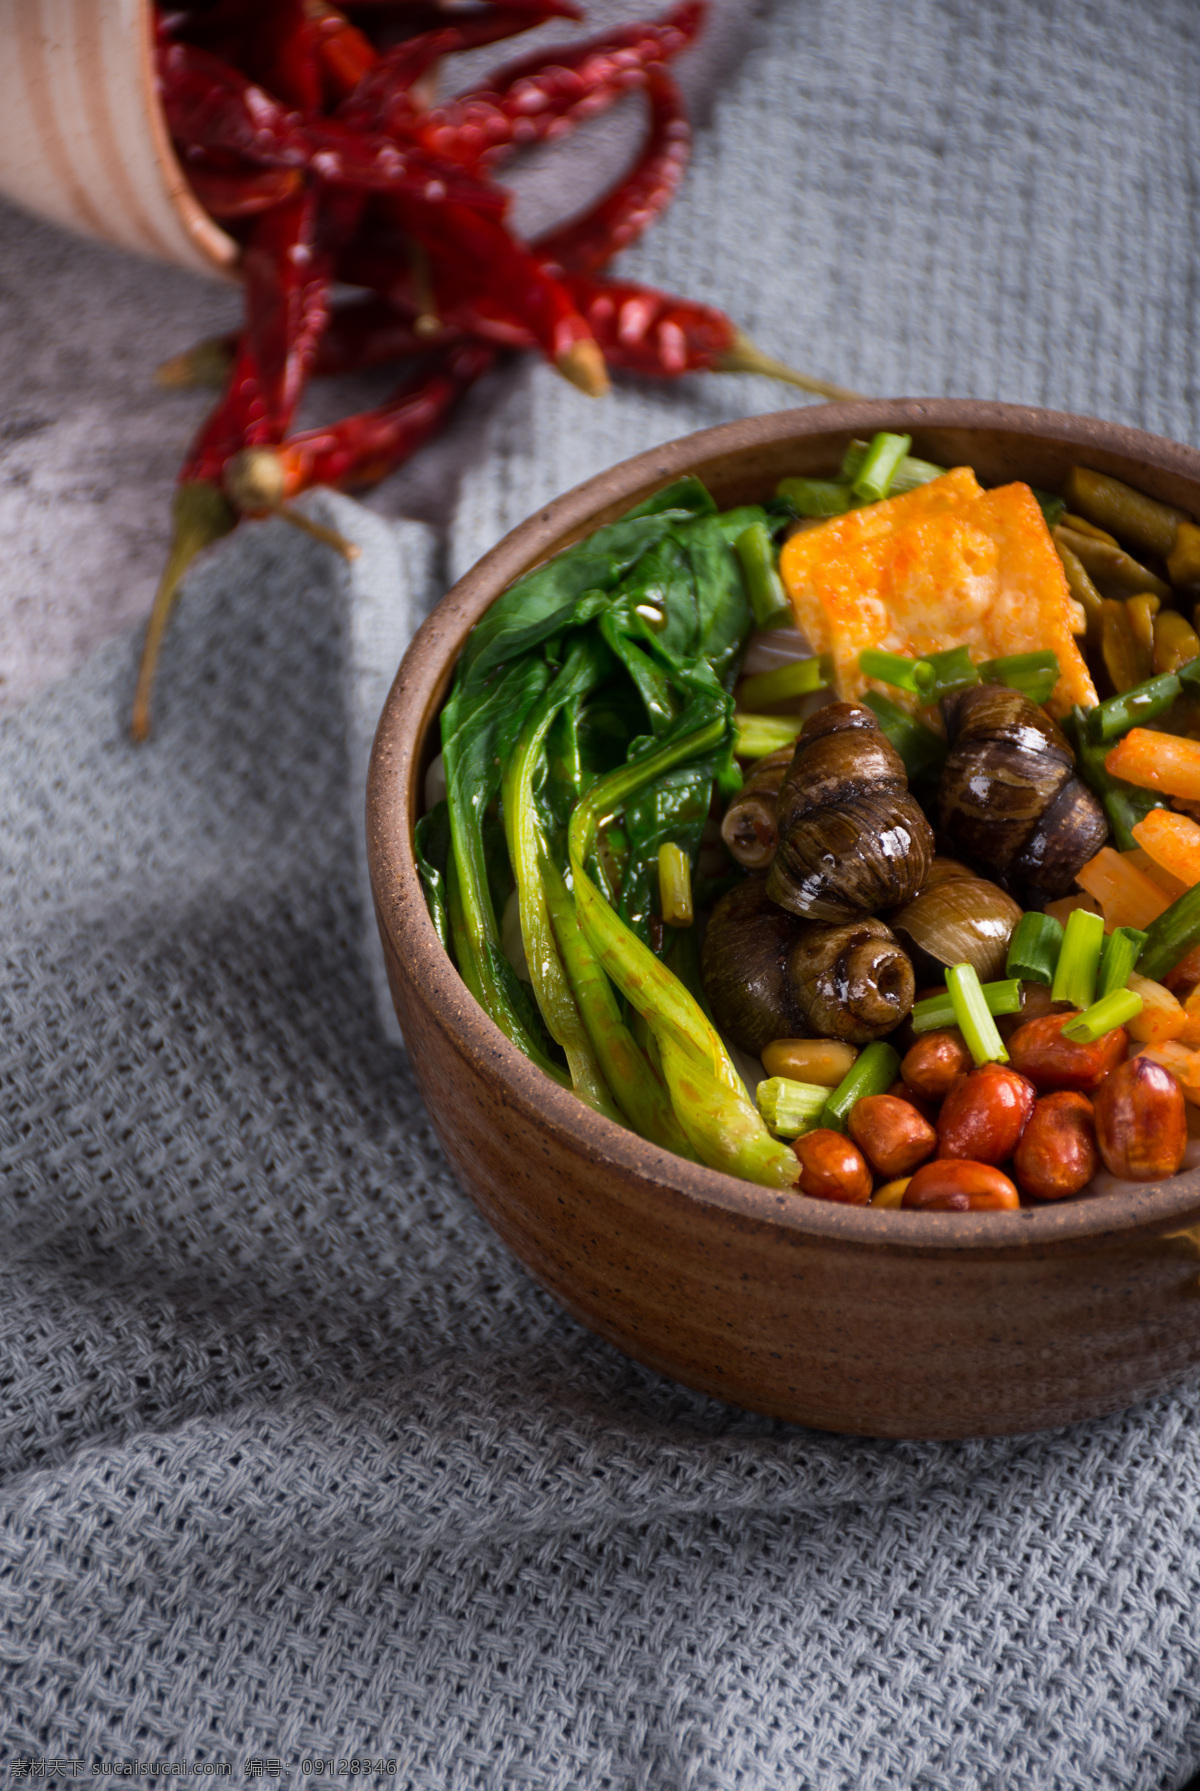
[363, 449]
[209, 105]
[588, 243]
[243, 194]
[287, 277]
[345, 54]
[541, 97]
[478, 267]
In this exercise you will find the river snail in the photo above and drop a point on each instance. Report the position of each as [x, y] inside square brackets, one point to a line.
[1009, 800]
[958, 918]
[852, 840]
[769, 975]
[750, 826]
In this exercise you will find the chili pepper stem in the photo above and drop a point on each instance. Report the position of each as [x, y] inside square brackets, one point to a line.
[205, 364]
[349, 550]
[200, 515]
[256, 484]
[742, 356]
[583, 364]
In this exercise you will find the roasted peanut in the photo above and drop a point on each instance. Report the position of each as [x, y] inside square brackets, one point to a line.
[934, 1061]
[1057, 1154]
[1141, 1124]
[822, 1062]
[891, 1134]
[891, 1194]
[1051, 1062]
[925, 1107]
[960, 1186]
[984, 1115]
[832, 1168]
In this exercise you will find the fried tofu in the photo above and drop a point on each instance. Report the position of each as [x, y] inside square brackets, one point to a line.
[946, 565]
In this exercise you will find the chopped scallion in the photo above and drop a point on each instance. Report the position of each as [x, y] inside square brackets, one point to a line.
[891, 668]
[757, 735]
[788, 1107]
[1103, 1016]
[1034, 947]
[919, 747]
[973, 1015]
[1079, 959]
[815, 497]
[910, 473]
[941, 674]
[760, 570]
[1033, 674]
[1118, 960]
[875, 1069]
[880, 464]
[938, 1010]
[798, 679]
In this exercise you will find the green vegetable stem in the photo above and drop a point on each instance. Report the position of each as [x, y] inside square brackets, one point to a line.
[724, 1128]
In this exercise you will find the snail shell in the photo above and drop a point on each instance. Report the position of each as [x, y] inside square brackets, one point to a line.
[750, 828]
[1009, 799]
[768, 975]
[958, 918]
[852, 840]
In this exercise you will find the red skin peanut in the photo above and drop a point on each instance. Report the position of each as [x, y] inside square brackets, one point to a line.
[1051, 1062]
[1057, 1155]
[1141, 1121]
[959, 1186]
[984, 1114]
[891, 1134]
[932, 1064]
[832, 1168]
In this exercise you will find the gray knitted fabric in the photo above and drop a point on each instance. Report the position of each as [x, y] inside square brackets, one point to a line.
[298, 1463]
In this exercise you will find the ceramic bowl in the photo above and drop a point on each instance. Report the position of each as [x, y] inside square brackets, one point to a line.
[82, 137]
[878, 1323]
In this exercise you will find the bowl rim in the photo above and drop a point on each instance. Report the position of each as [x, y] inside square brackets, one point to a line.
[412, 703]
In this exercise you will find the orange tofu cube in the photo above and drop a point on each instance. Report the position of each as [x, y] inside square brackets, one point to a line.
[947, 565]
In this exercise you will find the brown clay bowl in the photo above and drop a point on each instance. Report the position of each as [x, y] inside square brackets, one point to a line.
[888, 1324]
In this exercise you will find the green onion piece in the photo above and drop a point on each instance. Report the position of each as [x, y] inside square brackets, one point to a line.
[907, 477]
[1052, 507]
[1119, 959]
[875, 1069]
[798, 679]
[815, 497]
[874, 478]
[1171, 936]
[1033, 674]
[938, 1010]
[760, 570]
[788, 1107]
[919, 747]
[890, 668]
[1079, 959]
[757, 735]
[1103, 1016]
[1034, 947]
[942, 673]
[1124, 804]
[675, 885]
[1189, 677]
[973, 1015]
[1110, 719]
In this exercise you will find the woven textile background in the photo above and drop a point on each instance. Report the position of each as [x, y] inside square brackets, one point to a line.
[297, 1461]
